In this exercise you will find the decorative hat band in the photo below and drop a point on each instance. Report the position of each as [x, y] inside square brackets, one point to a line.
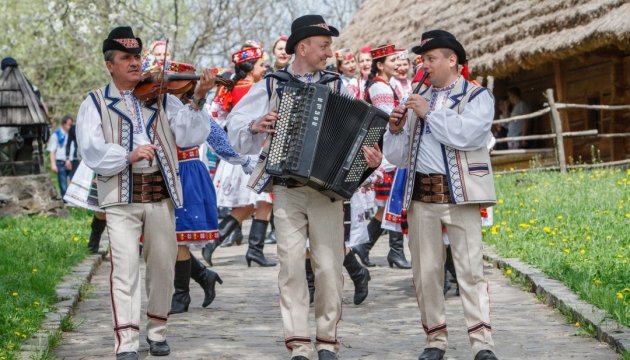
[383, 51]
[344, 54]
[322, 25]
[130, 43]
[247, 54]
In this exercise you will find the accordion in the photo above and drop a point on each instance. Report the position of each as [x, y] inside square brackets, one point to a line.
[319, 138]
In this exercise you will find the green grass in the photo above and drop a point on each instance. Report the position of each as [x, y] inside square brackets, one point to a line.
[574, 227]
[36, 253]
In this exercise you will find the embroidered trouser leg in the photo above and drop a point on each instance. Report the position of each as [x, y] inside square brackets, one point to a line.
[463, 224]
[300, 213]
[125, 225]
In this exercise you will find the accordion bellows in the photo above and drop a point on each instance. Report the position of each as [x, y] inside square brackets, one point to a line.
[319, 136]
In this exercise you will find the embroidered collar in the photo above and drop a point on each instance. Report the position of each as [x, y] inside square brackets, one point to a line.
[307, 78]
[446, 88]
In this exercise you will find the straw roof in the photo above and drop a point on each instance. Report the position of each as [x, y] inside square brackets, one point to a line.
[19, 105]
[501, 37]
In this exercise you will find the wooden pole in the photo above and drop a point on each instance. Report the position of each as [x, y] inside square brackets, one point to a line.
[560, 81]
[557, 128]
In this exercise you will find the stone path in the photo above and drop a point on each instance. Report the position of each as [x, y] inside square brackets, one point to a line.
[244, 320]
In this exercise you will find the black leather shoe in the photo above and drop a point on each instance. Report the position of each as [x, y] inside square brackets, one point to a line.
[485, 355]
[128, 355]
[326, 355]
[158, 348]
[299, 358]
[432, 354]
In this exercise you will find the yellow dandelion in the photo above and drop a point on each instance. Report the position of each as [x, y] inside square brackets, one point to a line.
[510, 236]
[547, 229]
[559, 217]
[628, 215]
[500, 201]
[596, 281]
[524, 226]
[36, 303]
[533, 221]
[577, 324]
[567, 251]
[503, 223]
[588, 237]
[533, 210]
[508, 272]
[483, 231]
[75, 238]
[34, 270]
[552, 244]
[582, 251]
[14, 294]
[620, 296]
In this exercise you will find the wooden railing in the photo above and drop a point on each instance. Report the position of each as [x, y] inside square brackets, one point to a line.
[558, 135]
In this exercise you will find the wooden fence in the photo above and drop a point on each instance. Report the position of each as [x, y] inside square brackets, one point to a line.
[558, 135]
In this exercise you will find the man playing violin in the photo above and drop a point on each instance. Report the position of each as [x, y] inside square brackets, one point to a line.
[131, 145]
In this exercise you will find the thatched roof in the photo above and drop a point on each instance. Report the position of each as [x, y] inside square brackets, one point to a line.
[19, 105]
[501, 37]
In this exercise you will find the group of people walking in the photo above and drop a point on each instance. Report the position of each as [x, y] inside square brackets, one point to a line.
[144, 173]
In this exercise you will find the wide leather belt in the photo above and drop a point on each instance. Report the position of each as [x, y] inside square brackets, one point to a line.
[432, 188]
[188, 154]
[148, 188]
[286, 182]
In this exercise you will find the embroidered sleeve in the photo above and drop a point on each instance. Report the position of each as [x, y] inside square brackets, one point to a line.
[218, 140]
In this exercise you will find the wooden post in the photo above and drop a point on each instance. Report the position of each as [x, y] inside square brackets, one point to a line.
[556, 124]
[562, 94]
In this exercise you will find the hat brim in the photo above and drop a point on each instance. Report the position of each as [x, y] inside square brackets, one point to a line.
[307, 32]
[443, 43]
[109, 44]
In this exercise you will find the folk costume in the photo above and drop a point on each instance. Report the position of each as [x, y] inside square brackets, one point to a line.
[380, 93]
[231, 181]
[299, 211]
[450, 177]
[140, 198]
[356, 86]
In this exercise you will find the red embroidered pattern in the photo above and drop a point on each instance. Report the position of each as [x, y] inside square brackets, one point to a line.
[188, 154]
[128, 43]
[186, 236]
[322, 25]
[247, 54]
[383, 51]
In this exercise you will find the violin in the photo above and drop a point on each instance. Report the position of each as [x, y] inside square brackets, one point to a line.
[179, 79]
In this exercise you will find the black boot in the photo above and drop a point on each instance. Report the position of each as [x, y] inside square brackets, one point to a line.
[207, 251]
[359, 275]
[256, 243]
[396, 254]
[236, 237]
[310, 280]
[206, 278]
[363, 250]
[181, 296]
[271, 237]
[98, 226]
[450, 267]
[226, 227]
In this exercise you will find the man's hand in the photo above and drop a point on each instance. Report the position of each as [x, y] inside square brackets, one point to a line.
[418, 104]
[206, 83]
[265, 124]
[142, 152]
[373, 156]
[54, 169]
[397, 117]
[68, 165]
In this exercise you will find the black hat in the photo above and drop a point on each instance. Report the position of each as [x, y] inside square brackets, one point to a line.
[7, 62]
[122, 38]
[307, 26]
[440, 39]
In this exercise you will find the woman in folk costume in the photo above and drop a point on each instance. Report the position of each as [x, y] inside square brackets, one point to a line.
[231, 181]
[281, 58]
[346, 65]
[379, 93]
[356, 87]
[400, 81]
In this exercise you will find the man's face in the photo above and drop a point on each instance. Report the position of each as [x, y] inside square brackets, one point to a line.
[316, 50]
[439, 66]
[125, 67]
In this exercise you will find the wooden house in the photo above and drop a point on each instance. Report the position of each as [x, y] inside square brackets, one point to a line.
[579, 48]
[23, 123]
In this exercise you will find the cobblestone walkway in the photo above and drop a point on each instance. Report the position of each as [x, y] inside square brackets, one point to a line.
[244, 320]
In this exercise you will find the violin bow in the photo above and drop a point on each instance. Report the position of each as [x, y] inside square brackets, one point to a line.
[159, 97]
